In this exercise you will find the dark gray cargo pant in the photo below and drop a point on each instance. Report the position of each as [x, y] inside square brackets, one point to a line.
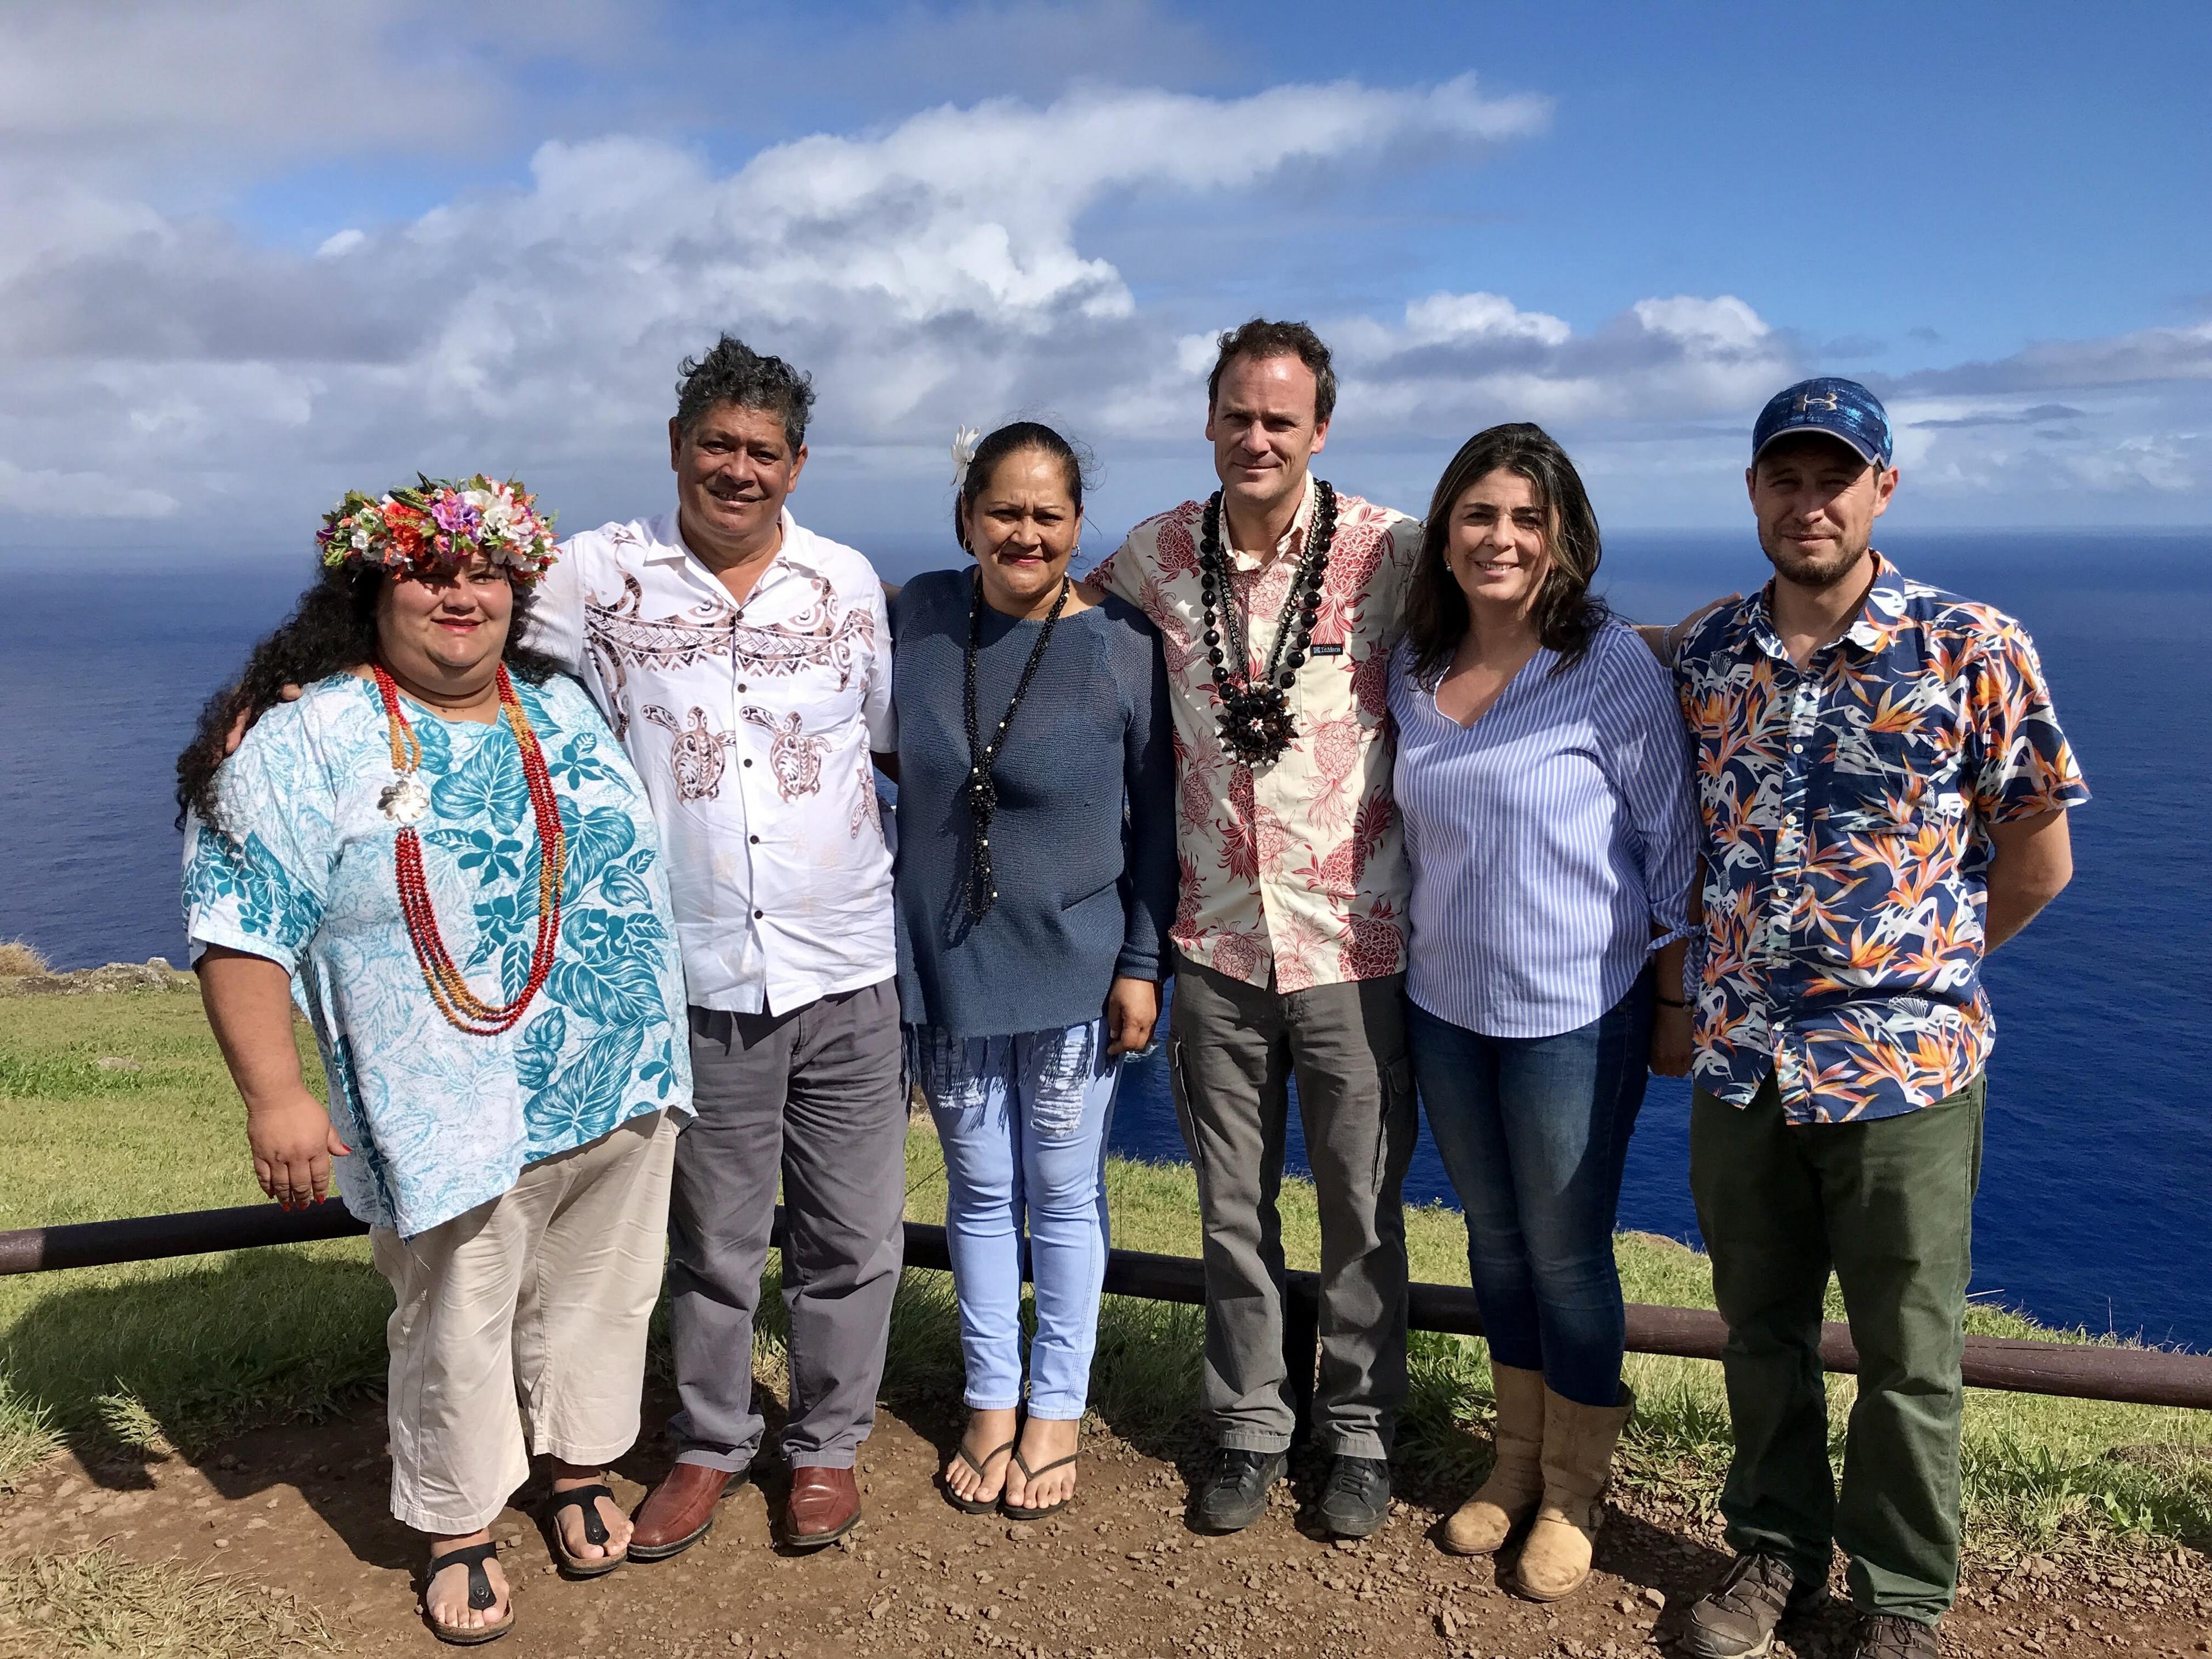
[1232, 1050]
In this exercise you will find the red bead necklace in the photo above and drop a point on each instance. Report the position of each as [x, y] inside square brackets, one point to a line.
[406, 800]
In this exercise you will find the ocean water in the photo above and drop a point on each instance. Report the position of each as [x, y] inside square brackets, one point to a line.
[2096, 1197]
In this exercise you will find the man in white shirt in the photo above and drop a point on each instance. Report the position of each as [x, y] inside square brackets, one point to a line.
[744, 662]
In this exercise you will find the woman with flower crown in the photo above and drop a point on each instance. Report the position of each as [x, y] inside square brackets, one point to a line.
[440, 854]
[1034, 881]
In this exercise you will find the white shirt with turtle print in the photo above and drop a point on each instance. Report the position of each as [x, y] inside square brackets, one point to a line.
[751, 724]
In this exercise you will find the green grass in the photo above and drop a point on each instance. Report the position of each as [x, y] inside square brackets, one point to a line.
[174, 1354]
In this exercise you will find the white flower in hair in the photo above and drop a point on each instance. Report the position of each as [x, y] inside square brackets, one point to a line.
[966, 442]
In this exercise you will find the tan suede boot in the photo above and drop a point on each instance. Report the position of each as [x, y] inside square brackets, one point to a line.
[1483, 1523]
[1578, 1443]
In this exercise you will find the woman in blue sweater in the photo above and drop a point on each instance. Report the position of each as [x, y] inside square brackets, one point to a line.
[1036, 881]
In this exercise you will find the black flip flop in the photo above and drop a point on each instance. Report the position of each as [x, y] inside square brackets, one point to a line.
[976, 1505]
[586, 1499]
[482, 1597]
[1018, 1512]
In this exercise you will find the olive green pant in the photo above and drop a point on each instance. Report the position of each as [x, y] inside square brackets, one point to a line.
[1889, 1204]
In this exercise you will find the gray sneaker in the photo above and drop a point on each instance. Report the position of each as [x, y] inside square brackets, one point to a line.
[1737, 1618]
[1891, 1635]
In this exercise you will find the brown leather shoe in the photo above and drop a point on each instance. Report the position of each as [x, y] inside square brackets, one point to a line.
[678, 1512]
[824, 1505]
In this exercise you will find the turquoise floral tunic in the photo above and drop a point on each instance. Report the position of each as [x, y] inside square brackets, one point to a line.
[303, 874]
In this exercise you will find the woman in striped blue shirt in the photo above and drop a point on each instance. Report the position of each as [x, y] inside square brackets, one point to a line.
[1544, 773]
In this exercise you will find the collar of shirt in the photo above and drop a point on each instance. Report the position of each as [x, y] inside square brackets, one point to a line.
[1870, 630]
[795, 556]
[1290, 544]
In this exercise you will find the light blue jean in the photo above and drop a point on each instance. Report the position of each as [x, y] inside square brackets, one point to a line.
[1534, 1133]
[1022, 1120]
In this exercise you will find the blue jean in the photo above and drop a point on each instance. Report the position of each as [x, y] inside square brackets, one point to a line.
[1534, 1133]
[1023, 1122]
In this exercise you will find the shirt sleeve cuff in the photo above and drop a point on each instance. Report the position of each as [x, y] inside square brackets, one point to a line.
[1693, 966]
[207, 932]
[1136, 964]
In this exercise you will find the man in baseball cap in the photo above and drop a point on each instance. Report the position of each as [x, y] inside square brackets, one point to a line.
[1842, 409]
[1884, 786]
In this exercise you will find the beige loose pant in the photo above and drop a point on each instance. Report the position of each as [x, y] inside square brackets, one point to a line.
[538, 1299]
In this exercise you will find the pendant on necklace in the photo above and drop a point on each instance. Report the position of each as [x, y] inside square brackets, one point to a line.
[405, 799]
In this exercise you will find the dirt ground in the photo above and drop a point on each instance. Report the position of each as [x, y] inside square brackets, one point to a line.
[1119, 1575]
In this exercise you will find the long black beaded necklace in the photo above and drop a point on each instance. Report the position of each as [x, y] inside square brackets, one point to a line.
[980, 890]
[1256, 713]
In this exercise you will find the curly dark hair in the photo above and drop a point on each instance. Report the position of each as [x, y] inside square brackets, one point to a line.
[1565, 614]
[333, 629]
[734, 373]
[1262, 338]
[1010, 439]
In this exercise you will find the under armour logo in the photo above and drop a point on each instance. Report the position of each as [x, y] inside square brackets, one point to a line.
[1816, 400]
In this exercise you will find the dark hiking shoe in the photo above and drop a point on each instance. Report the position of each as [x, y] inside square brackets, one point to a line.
[1235, 1491]
[1891, 1635]
[1356, 1499]
[1737, 1618]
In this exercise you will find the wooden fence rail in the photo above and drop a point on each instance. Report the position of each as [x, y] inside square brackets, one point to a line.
[2147, 1376]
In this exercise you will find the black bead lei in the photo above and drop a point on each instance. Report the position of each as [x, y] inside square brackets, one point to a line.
[1255, 711]
[980, 793]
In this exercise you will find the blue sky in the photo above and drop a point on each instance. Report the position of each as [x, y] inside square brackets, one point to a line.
[253, 253]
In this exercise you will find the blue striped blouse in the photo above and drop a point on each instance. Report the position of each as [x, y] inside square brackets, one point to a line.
[1547, 840]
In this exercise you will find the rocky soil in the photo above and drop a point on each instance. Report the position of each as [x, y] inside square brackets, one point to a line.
[302, 1508]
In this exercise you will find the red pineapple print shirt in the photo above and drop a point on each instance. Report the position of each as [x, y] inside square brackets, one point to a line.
[1846, 809]
[1295, 869]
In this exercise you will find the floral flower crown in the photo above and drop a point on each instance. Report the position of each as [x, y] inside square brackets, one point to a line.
[438, 526]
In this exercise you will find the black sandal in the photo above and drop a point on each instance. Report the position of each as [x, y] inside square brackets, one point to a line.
[482, 1597]
[586, 1499]
[1018, 1512]
[976, 1505]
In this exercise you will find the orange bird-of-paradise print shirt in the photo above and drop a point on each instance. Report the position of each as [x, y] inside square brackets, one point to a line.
[1296, 870]
[1846, 810]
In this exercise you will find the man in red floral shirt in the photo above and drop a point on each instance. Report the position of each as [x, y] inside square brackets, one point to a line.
[1277, 603]
[1884, 785]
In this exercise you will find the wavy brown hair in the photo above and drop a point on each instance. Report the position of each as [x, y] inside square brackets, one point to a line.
[333, 629]
[1565, 614]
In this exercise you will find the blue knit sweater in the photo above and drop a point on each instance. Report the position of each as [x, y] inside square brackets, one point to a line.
[1082, 842]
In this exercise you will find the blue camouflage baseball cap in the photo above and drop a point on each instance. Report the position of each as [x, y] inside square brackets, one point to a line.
[1842, 409]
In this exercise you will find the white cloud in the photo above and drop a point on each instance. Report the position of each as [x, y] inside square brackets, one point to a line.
[48, 492]
[1477, 358]
[928, 273]
[141, 84]
[2147, 355]
[159, 359]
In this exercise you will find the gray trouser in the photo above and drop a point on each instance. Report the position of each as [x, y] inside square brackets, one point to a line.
[1233, 1049]
[814, 1095]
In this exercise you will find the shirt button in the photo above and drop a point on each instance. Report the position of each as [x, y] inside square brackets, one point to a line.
[757, 914]
[741, 686]
[754, 839]
[748, 760]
